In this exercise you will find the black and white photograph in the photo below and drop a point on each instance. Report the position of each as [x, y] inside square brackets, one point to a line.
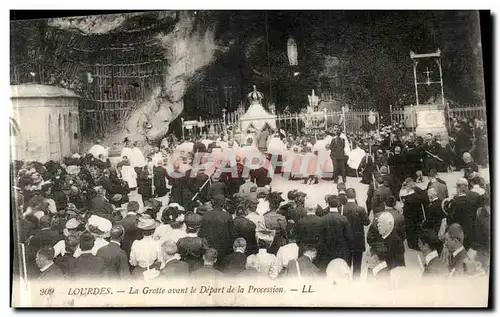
[286, 158]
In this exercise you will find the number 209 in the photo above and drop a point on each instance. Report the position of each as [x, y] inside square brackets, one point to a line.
[46, 291]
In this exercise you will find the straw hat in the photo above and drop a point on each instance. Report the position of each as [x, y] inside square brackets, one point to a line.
[98, 225]
[146, 223]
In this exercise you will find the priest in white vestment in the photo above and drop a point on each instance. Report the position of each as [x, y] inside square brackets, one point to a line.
[97, 149]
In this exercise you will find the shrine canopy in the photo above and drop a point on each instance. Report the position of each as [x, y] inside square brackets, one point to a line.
[256, 116]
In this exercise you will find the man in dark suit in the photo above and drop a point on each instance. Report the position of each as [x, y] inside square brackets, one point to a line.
[380, 193]
[235, 262]
[304, 266]
[430, 245]
[341, 195]
[399, 222]
[129, 224]
[45, 262]
[358, 219]
[173, 267]
[310, 228]
[217, 227]
[338, 156]
[88, 266]
[299, 211]
[44, 237]
[336, 235]
[208, 271]
[434, 214]
[191, 248]
[245, 228]
[66, 261]
[100, 204]
[462, 211]
[394, 244]
[438, 184]
[454, 238]
[217, 188]
[378, 268]
[115, 259]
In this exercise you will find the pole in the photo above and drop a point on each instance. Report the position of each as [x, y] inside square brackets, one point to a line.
[438, 61]
[182, 127]
[343, 116]
[326, 118]
[415, 63]
[297, 123]
[390, 114]
[413, 126]
[268, 60]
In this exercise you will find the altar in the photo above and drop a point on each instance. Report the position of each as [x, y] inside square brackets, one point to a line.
[431, 119]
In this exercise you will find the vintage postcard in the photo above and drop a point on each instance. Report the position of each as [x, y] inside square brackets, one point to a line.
[250, 158]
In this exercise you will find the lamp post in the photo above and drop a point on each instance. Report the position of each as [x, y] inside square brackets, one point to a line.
[326, 118]
[224, 118]
[182, 127]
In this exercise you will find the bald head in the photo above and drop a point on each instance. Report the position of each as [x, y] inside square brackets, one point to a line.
[116, 233]
[467, 157]
[462, 185]
[385, 223]
[169, 248]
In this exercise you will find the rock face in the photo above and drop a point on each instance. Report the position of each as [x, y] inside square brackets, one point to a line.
[188, 48]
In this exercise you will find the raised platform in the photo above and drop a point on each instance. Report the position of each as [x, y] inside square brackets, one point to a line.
[431, 119]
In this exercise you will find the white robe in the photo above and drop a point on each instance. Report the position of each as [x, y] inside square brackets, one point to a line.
[97, 150]
[157, 159]
[355, 158]
[276, 147]
[137, 158]
[126, 152]
[129, 175]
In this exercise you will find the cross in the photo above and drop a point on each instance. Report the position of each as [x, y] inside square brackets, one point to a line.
[428, 73]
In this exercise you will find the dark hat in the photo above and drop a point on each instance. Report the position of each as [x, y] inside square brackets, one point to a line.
[275, 196]
[132, 206]
[300, 194]
[192, 220]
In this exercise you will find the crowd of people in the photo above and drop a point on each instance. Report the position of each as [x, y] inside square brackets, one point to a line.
[165, 215]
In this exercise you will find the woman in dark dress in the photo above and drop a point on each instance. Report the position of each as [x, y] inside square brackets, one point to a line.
[414, 200]
[144, 183]
[480, 152]
[160, 181]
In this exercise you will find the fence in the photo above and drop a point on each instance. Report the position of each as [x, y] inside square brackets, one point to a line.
[468, 112]
[352, 122]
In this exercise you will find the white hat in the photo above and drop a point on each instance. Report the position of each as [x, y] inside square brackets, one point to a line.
[76, 156]
[99, 225]
[176, 205]
[73, 169]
